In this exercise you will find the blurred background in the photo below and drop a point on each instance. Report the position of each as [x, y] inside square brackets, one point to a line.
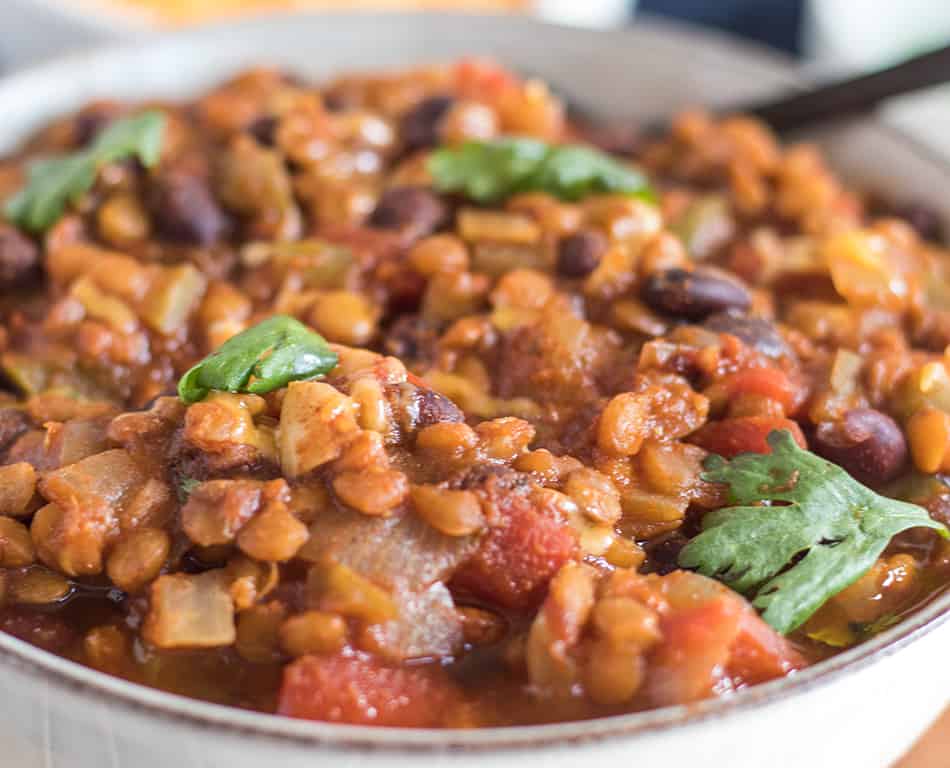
[827, 38]
[830, 35]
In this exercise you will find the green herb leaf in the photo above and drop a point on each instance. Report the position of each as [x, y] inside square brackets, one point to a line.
[56, 182]
[261, 359]
[838, 525]
[488, 171]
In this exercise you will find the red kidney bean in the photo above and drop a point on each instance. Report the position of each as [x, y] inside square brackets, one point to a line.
[264, 129]
[19, 257]
[420, 125]
[866, 442]
[414, 210]
[185, 210]
[579, 254]
[693, 295]
[418, 407]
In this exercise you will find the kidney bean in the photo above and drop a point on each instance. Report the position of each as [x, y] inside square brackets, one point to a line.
[264, 129]
[756, 332]
[19, 257]
[693, 295]
[579, 254]
[415, 210]
[185, 210]
[420, 125]
[866, 442]
[419, 407]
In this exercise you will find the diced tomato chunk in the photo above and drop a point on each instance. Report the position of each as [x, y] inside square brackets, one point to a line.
[482, 80]
[691, 659]
[747, 434]
[518, 556]
[760, 653]
[768, 382]
[712, 640]
[360, 690]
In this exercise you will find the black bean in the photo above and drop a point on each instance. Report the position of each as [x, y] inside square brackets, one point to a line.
[19, 257]
[579, 254]
[866, 442]
[414, 210]
[185, 210]
[756, 332]
[663, 553]
[420, 125]
[693, 295]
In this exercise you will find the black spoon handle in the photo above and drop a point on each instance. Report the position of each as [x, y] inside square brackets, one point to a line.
[854, 95]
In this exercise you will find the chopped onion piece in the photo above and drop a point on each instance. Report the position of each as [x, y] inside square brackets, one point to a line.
[190, 611]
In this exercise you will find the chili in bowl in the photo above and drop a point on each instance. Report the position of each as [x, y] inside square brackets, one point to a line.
[399, 399]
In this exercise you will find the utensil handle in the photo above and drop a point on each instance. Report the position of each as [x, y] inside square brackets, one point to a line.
[854, 95]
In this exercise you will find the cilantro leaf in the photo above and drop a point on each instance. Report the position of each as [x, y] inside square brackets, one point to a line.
[488, 171]
[263, 358]
[574, 172]
[56, 182]
[838, 525]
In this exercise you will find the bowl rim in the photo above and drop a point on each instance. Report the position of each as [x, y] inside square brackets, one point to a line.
[84, 681]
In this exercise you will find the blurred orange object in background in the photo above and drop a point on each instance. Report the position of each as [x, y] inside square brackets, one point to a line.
[187, 11]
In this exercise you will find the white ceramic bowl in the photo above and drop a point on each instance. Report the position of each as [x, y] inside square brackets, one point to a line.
[861, 709]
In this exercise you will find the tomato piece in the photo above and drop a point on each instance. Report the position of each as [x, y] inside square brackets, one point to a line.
[712, 637]
[360, 690]
[769, 382]
[482, 80]
[518, 556]
[691, 660]
[760, 653]
[747, 434]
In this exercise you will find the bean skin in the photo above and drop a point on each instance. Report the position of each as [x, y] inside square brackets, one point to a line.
[185, 209]
[693, 295]
[419, 407]
[264, 129]
[19, 257]
[420, 125]
[753, 331]
[866, 442]
[579, 254]
[414, 210]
